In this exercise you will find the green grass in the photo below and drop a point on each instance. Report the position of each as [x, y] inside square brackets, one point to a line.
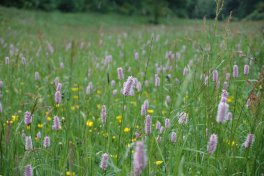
[81, 42]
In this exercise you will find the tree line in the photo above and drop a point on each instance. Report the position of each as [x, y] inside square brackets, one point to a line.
[251, 9]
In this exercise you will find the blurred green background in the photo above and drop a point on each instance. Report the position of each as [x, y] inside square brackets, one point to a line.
[241, 9]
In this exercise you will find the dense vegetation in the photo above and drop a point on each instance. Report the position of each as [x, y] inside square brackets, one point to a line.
[65, 110]
[252, 9]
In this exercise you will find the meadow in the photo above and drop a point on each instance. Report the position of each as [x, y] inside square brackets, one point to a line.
[90, 94]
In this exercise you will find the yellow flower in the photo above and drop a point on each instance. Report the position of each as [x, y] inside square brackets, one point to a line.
[126, 130]
[74, 89]
[230, 99]
[158, 162]
[105, 134]
[57, 105]
[40, 125]
[28, 127]
[134, 140]
[113, 137]
[9, 122]
[98, 92]
[163, 112]
[14, 117]
[119, 118]
[69, 173]
[150, 111]
[89, 123]
[75, 97]
[231, 143]
[98, 106]
[113, 156]
[49, 118]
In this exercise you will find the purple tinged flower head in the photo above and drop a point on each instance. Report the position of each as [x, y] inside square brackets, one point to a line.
[158, 70]
[224, 96]
[223, 99]
[215, 75]
[229, 116]
[136, 56]
[104, 161]
[185, 71]
[235, 71]
[249, 140]
[143, 110]
[158, 139]
[46, 142]
[168, 99]
[28, 143]
[173, 137]
[227, 76]
[108, 59]
[114, 92]
[212, 144]
[225, 85]
[113, 83]
[56, 123]
[28, 170]
[103, 114]
[27, 118]
[146, 104]
[158, 125]
[91, 84]
[58, 97]
[140, 159]
[7, 60]
[167, 123]
[157, 80]
[137, 135]
[138, 86]
[56, 81]
[183, 118]
[217, 84]
[222, 112]
[88, 90]
[37, 77]
[23, 60]
[246, 69]
[61, 65]
[59, 86]
[120, 73]
[148, 125]
[169, 55]
[161, 129]
[38, 135]
[128, 85]
[224, 93]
